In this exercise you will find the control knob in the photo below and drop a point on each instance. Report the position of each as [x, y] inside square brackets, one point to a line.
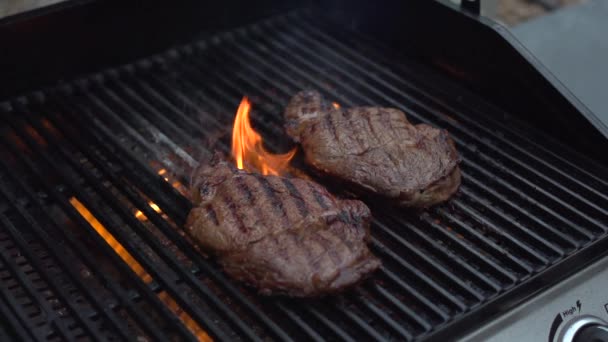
[585, 328]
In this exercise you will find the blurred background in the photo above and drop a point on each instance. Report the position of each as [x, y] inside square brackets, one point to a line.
[9, 7]
[513, 12]
[509, 12]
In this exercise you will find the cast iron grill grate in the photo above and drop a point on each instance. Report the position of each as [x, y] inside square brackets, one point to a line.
[108, 145]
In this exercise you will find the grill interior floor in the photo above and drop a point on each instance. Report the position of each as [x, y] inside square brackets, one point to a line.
[87, 159]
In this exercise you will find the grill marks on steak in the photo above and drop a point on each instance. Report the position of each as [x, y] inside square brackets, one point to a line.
[283, 236]
[375, 148]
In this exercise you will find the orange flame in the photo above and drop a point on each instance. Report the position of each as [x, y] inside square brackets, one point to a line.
[142, 217]
[248, 150]
[175, 183]
[336, 105]
[190, 323]
[162, 173]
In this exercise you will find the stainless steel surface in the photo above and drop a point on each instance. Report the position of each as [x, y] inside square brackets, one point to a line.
[10, 7]
[572, 44]
[585, 294]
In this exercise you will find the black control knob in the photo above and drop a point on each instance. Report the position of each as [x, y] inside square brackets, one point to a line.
[584, 328]
[592, 333]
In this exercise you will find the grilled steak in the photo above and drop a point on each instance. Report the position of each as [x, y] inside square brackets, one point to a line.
[375, 148]
[281, 235]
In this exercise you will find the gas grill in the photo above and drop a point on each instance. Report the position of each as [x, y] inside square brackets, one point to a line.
[95, 162]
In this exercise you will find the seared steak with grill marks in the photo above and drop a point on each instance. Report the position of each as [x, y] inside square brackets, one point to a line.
[376, 148]
[281, 235]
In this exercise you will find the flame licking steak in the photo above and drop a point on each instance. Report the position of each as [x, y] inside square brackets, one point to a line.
[248, 149]
[376, 148]
[281, 235]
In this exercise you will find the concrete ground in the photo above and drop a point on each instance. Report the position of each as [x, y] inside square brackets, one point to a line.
[513, 12]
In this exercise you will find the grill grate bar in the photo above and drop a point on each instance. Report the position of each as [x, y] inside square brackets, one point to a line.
[175, 204]
[339, 332]
[380, 313]
[158, 118]
[381, 249]
[153, 126]
[474, 170]
[57, 324]
[523, 247]
[475, 236]
[549, 247]
[466, 250]
[9, 302]
[90, 264]
[135, 280]
[61, 260]
[506, 277]
[301, 323]
[464, 288]
[149, 92]
[172, 129]
[427, 304]
[12, 319]
[371, 332]
[404, 309]
[101, 106]
[57, 288]
[543, 243]
[562, 238]
[154, 82]
[232, 90]
[149, 238]
[109, 315]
